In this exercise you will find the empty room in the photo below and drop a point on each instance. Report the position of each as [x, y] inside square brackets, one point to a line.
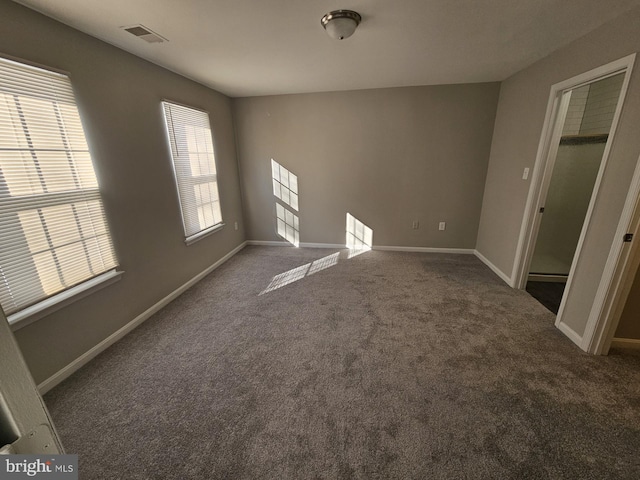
[286, 240]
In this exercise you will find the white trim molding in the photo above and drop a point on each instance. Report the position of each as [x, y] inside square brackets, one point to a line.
[322, 245]
[463, 251]
[190, 240]
[83, 359]
[277, 243]
[67, 297]
[269, 243]
[617, 276]
[505, 278]
[633, 343]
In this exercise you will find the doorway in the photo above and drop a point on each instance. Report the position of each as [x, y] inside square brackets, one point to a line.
[586, 116]
[585, 320]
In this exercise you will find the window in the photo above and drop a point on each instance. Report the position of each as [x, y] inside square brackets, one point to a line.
[195, 169]
[53, 231]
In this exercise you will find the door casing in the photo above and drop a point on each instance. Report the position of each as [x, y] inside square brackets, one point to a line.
[541, 177]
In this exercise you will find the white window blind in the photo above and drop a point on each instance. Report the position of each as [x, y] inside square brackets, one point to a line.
[194, 166]
[53, 232]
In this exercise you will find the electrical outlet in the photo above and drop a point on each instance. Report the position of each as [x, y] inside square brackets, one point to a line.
[415, 225]
[525, 174]
[235, 225]
[442, 226]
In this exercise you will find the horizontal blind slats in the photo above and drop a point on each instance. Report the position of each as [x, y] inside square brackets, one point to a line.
[192, 152]
[53, 229]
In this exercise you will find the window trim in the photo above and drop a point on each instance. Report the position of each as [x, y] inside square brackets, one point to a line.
[68, 296]
[41, 66]
[191, 239]
[55, 302]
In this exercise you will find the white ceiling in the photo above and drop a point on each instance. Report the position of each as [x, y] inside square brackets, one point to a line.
[263, 47]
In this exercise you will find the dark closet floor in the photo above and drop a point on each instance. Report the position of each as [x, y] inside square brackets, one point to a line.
[548, 294]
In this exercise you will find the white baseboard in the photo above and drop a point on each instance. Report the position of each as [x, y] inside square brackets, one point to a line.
[626, 343]
[571, 333]
[267, 243]
[375, 247]
[322, 245]
[505, 278]
[83, 359]
[465, 251]
[277, 243]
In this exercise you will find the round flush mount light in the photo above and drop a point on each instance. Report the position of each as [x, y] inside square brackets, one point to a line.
[341, 24]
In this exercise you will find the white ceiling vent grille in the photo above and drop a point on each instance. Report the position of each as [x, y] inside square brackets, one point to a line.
[145, 34]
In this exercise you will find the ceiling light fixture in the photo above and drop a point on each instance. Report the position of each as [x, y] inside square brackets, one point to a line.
[341, 24]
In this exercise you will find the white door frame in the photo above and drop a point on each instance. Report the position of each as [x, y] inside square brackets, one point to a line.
[618, 276]
[541, 177]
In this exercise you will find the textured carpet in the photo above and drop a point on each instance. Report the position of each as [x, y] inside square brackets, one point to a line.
[548, 294]
[384, 365]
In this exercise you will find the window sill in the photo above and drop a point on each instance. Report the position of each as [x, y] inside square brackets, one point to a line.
[42, 309]
[204, 233]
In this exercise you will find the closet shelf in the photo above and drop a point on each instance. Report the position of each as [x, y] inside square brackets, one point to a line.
[584, 139]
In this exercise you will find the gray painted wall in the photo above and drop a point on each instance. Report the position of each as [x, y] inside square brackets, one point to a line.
[387, 156]
[119, 99]
[521, 111]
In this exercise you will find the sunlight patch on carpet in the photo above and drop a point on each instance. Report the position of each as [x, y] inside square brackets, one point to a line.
[299, 273]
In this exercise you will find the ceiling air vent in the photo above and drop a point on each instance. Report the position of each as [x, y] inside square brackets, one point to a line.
[145, 34]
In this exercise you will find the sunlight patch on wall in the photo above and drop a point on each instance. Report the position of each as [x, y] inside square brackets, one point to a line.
[299, 273]
[359, 236]
[287, 225]
[285, 189]
[285, 184]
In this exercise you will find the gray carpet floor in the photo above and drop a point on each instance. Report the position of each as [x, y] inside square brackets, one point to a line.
[384, 365]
